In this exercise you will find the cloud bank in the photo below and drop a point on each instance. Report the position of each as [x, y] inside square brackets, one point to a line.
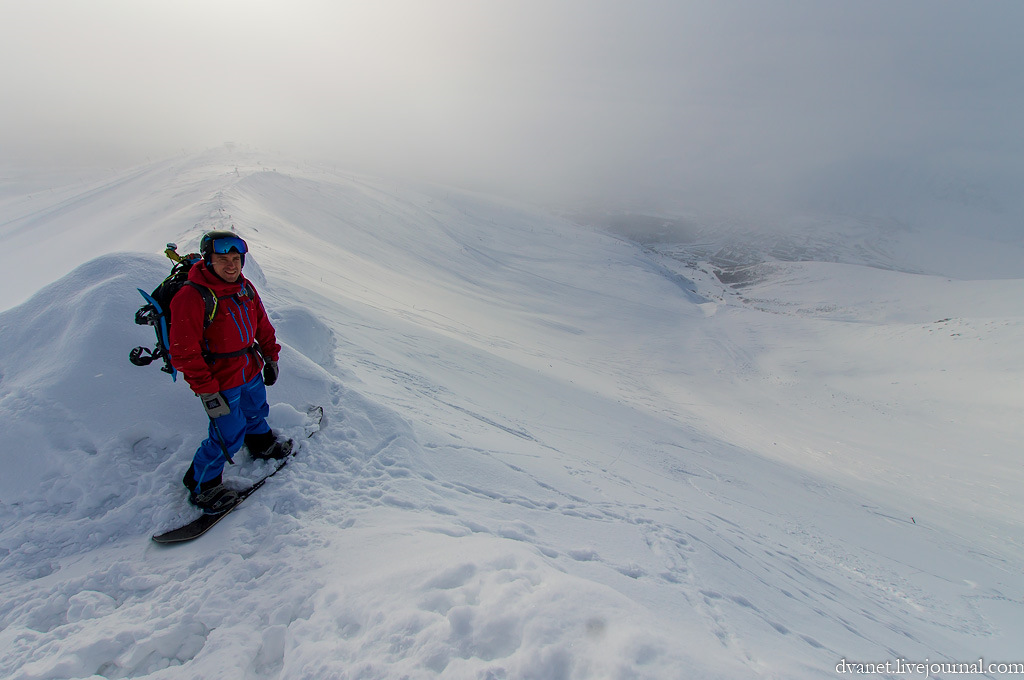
[655, 103]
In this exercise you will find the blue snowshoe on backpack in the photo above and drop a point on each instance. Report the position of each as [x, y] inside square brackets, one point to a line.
[157, 310]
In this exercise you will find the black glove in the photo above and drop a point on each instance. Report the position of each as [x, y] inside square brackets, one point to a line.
[270, 373]
[215, 404]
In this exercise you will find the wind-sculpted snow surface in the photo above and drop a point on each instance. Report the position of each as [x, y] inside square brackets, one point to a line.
[354, 564]
[543, 456]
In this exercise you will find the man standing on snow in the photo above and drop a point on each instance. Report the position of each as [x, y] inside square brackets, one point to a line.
[227, 362]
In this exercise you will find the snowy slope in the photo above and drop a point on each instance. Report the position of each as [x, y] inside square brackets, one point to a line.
[547, 453]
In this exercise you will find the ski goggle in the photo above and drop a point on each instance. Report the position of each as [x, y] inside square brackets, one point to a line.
[226, 245]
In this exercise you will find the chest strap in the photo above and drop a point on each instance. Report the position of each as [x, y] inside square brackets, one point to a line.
[213, 356]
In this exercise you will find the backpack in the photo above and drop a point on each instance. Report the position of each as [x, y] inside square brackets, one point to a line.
[157, 310]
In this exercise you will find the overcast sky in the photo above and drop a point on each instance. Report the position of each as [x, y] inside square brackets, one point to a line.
[646, 100]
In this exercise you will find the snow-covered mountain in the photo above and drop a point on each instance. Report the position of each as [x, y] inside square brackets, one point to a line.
[548, 452]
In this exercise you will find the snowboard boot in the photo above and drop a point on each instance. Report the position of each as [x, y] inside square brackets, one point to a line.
[265, 446]
[211, 496]
[214, 500]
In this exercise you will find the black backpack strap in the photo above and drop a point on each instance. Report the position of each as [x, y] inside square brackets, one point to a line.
[209, 301]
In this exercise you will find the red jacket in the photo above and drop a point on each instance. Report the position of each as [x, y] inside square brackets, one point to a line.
[239, 322]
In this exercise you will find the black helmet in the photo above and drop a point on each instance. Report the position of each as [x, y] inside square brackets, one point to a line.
[222, 242]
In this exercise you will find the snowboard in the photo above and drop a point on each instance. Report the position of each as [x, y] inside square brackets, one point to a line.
[204, 523]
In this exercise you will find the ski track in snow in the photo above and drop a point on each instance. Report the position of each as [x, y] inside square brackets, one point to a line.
[545, 453]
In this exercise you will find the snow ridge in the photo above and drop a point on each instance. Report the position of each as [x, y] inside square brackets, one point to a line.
[546, 452]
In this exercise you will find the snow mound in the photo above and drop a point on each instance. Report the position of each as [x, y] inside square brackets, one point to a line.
[70, 402]
[93, 442]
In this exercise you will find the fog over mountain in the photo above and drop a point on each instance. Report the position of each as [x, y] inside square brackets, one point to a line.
[758, 110]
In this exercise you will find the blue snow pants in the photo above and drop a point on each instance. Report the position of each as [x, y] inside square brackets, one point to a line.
[249, 411]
